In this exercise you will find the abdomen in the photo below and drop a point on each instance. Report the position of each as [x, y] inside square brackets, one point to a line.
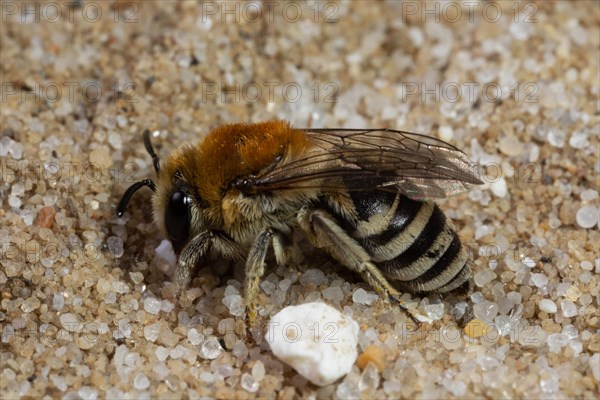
[411, 242]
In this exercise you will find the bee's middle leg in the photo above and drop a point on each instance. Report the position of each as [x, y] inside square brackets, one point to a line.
[255, 265]
[328, 234]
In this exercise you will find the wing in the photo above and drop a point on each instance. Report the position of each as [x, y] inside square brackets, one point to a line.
[419, 166]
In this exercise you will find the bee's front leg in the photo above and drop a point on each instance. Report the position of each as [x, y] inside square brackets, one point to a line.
[208, 243]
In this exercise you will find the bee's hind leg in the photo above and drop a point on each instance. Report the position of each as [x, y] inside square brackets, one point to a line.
[326, 233]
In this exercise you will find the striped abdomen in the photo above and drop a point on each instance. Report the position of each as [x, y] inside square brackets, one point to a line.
[411, 242]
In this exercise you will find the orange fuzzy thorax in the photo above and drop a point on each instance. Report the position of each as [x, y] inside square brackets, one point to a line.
[232, 151]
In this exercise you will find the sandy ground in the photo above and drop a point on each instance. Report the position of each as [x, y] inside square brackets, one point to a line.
[85, 309]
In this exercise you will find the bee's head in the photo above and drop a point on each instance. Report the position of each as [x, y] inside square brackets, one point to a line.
[180, 211]
[174, 209]
[173, 200]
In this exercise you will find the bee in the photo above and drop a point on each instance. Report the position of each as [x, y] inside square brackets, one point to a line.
[362, 195]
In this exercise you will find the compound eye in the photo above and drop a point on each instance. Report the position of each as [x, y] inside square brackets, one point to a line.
[177, 219]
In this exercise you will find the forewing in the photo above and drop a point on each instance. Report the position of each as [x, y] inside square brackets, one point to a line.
[419, 166]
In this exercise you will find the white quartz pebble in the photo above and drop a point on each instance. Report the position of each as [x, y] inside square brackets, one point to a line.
[499, 188]
[165, 251]
[548, 306]
[316, 340]
[587, 217]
